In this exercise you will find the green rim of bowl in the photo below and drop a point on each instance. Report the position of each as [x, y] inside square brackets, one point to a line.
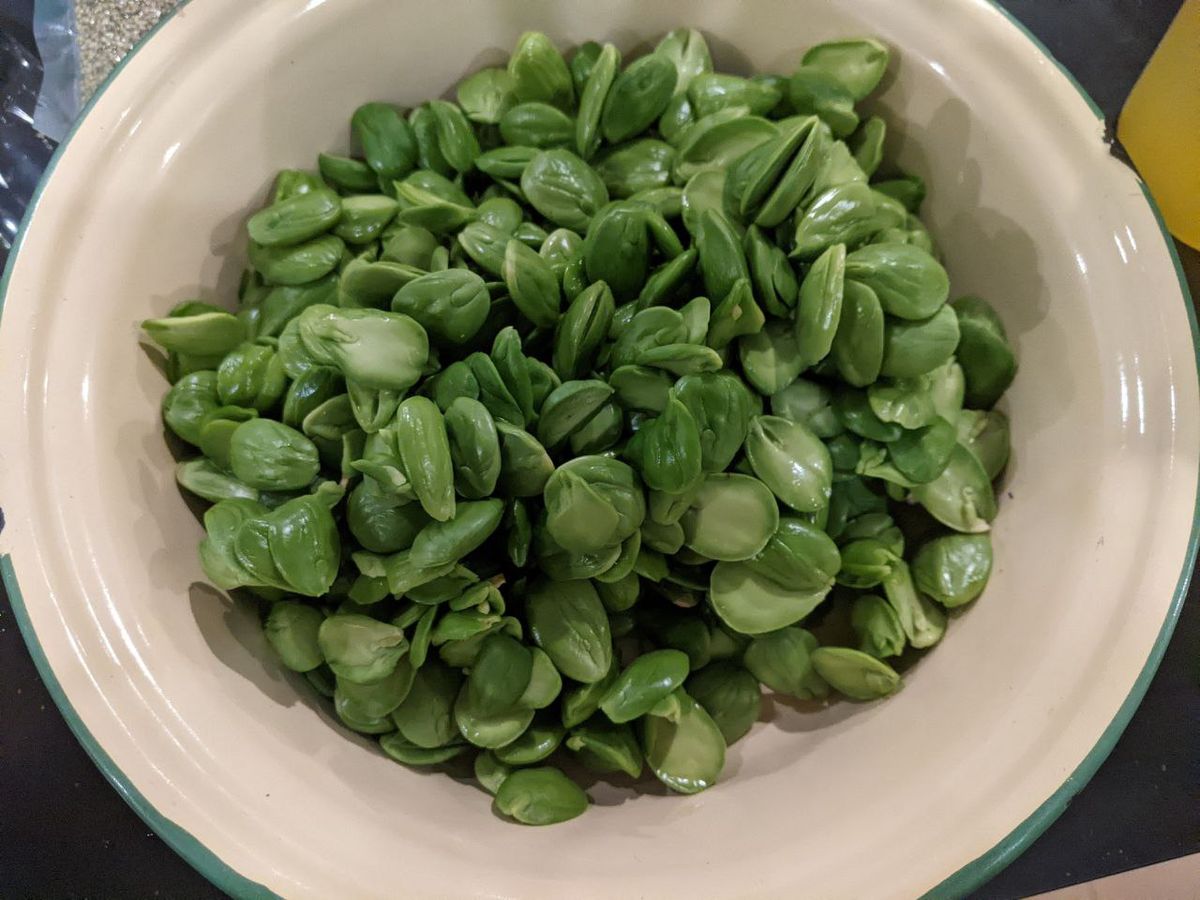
[986, 867]
[200, 857]
[203, 860]
[968, 878]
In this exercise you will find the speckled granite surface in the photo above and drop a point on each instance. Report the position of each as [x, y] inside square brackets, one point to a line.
[107, 30]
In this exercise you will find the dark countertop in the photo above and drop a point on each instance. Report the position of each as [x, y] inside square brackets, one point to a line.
[64, 832]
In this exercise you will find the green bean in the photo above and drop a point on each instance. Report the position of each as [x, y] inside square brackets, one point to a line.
[859, 342]
[540, 796]
[923, 624]
[536, 744]
[712, 91]
[867, 144]
[855, 412]
[376, 349]
[365, 217]
[270, 456]
[456, 138]
[451, 305]
[568, 622]
[207, 334]
[858, 675]
[372, 285]
[750, 602]
[815, 91]
[922, 455]
[730, 695]
[539, 72]
[637, 97]
[512, 368]
[810, 404]
[771, 358]
[347, 174]
[531, 284]
[953, 569]
[719, 139]
[912, 348]
[359, 648]
[380, 521]
[579, 702]
[731, 518]
[604, 747]
[721, 406]
[283, 303]
[292, 182]
[490, 772]
[502, 213]
[485, 727]
[985, 434]
[961, 497]
[583, 60]
[425, 716]
[377, 699]
[439, 543]
[877, 626]
[395, 746]
[563, 188]
[687, 50]
[525, 466]
[785, 193]
[291, 628]
[646, 681]
[686, 750]
[909, 282]
[568, 407]
[909, 190]
[782, 660]
[545, 684]
[387, 140]
[208, 480]
[671, 453]
[582, 331]
[425, 131]
[505, 162]
[859, 64]
[474, 447]
[616, 250]
[536, 125]
[500, 674]
[485, 95]
[639, 166]
[844, 214]
[791, 461]
[799, 556]
[819, 308]
[601, 74]
[908, 402]
[986, 356]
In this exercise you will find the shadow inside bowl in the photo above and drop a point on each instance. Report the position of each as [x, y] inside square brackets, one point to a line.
[230, 627]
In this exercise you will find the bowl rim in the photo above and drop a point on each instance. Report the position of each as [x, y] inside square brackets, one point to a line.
[969, 877]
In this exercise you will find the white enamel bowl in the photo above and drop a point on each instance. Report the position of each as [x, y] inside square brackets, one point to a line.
[170, 687]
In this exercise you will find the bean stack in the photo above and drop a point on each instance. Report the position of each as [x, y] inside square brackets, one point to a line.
[557, 421]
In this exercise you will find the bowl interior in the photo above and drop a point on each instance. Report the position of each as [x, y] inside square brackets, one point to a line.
[147, 208]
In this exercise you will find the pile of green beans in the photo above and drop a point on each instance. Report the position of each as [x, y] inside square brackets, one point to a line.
[560, 419]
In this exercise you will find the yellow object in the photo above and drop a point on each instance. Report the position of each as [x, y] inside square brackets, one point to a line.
[1160, 125]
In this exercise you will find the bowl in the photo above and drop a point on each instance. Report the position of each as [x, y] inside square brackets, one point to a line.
[170, 687]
